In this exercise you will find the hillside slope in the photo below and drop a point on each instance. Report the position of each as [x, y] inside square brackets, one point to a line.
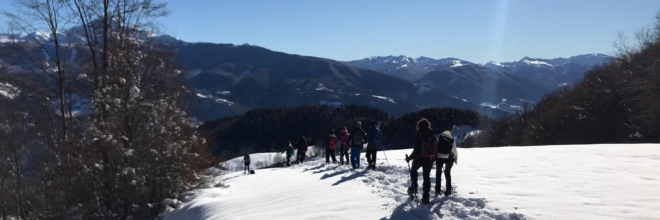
[578, 182]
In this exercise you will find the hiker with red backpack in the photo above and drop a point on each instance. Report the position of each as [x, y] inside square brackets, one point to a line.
[344, 146]
[330, 148]
[357, 140]
[447, 156]
[373, 146]
[423, 156]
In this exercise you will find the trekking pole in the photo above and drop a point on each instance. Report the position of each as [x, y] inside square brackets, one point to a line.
[388, 162]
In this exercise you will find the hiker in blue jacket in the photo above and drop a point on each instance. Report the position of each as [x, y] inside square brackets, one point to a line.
[357, 141]
[374, 144]
[288, 148]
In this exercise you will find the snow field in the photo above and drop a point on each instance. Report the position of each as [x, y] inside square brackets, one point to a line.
[605, 181]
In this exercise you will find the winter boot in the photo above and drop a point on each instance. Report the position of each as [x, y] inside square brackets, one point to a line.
[425, 200]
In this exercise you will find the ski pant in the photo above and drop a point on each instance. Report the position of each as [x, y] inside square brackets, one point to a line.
[371, 157]
[343, 151]
[448, 163]
[247, 168]
[288, 159]
[355, 157]
[426, 164]
[301, 158]
[330, 153]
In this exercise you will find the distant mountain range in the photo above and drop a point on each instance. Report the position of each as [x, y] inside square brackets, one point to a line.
[547, 72]
[231, 79]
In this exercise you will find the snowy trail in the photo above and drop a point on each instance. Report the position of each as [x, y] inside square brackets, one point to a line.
[301, 192]
[541, 182]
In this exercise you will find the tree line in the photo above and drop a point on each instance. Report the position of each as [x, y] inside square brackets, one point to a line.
[262, 130]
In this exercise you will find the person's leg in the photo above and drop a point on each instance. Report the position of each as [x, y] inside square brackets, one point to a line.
[357, 157]
[327, 155]
[438, 176]
[375, 155]
[353, 157]
[368, 154]
[341, 155]
[448, 166]
[288, 160]
[413, 173]
[427, 164]
[346, 154]
[332, 154]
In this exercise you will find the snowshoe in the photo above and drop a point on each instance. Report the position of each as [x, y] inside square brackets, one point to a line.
[412, 192]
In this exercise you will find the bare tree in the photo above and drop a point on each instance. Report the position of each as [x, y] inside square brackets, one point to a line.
[134, 148]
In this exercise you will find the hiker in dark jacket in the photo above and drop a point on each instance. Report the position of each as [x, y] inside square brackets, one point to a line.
[446, 141]
[330, 147]
[422, 158]
[246, 161]
[344, 146]
[357, 140]
[302, 149]
[288, 148]
[373, 145]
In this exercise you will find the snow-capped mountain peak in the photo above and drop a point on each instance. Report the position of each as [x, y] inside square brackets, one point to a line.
[536, 63]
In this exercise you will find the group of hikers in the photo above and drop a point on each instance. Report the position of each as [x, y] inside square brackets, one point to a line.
[427, 150]
[353, 141]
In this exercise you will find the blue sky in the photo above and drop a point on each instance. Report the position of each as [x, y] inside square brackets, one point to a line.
[474, 30]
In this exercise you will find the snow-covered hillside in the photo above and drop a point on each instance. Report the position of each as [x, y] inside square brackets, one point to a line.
[261, 160]
[542, 182]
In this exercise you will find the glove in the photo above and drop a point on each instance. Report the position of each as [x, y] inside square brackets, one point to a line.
[408, 159]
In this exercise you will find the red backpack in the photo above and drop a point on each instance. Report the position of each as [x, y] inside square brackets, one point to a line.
[429, 149]
[333, 141]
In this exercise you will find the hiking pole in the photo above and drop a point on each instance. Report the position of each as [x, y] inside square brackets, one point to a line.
[388, 161]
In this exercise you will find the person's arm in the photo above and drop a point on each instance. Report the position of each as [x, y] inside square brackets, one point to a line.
[416, 149]
[350, 139]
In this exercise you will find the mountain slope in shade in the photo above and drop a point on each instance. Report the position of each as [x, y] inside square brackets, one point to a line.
[486, 86]
[255, 77]
[552, 72]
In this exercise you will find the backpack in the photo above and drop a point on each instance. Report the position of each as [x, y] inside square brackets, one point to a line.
[444, 147]
[429, 149]
[344, 138]
[358, 139]
[375, 137]
[333, 142]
